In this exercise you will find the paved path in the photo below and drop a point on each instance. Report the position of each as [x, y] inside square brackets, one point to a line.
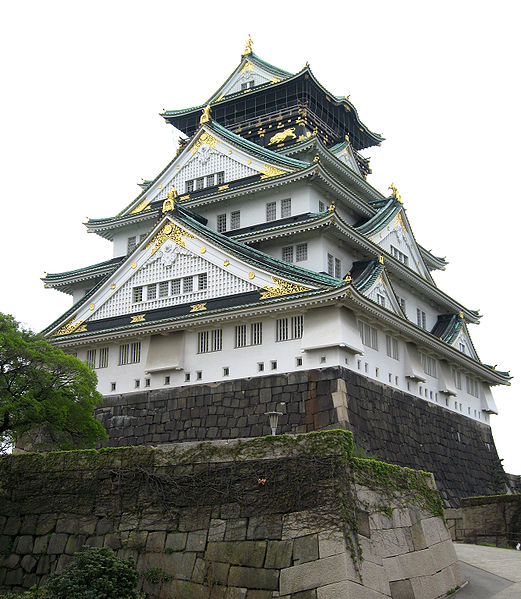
[492, 573]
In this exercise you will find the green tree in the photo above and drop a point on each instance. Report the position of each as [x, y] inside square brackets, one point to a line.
[45, 394]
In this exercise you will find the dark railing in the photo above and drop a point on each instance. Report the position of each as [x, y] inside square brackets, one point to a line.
[496, 538]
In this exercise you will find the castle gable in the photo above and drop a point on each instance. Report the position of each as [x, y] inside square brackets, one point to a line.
[344, 153]
[464, 344]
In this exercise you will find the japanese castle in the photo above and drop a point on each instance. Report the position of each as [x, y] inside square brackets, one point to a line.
[260, 249]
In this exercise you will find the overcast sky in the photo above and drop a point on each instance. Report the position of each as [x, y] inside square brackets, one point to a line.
[83, 83]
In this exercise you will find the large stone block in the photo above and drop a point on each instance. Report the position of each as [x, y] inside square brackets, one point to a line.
[242, 553]
[278, 554]
[254, 578]
[314, 574]
[349, 590]
[305, 549]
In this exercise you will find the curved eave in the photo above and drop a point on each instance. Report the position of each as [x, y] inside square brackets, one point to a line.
[364, 274]
[105, 227]
[431, 261]
[381, 219]
[372, 139]
[426, 339]
[67, 281]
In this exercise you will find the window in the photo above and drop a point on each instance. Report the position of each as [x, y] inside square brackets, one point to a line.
[163, 289]
[209, 341]
[202, 281]
[129, 353]
[368, 334]
[151, 292]
[199, 375]
[330, 265]
[137, 294]
[247, 85]
[137, 384]
[287, 254]
[202, 182]
[176, 286]
[167, 380]
[112, 386]
[210, 181]
[131, 244]
[298, 361]
[321, 206]
[399, 255]
[147, 382]
[472, 386]
[226, 371]
[221, 223]
[235, 219]
[302, 252]
[403, 305]
[392, 347]
[199, 183]
[289, 328]
[338, 274]
[273, 364]
[285, 208]
[220, 178]
[457, 378]
[322, 359]
[187, 377]
[189, 186]
[260, 366]
[381, 299]
[429, 364]
[103, 357]
[91, 357]
[188, 284]
[271, 211]
[421, 319]
[255, 334]
[462, 348]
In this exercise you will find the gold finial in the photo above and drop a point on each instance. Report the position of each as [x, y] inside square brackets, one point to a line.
[347, 97]
[348, 278]
[205, 117]
[169, 203]
[306, 65]
[316, 159]
[247, 48]
[332, 207]
[395, 193]
[315, 132]
[461, 315]
[347, 137]
[381, 259]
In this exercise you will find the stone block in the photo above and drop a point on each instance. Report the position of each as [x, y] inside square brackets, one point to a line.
[305, 549]
[349, 589]
[175, 541]
[315, 574]
[155, 542]
[23, 545]
[194, 519]
[236, 529]
[196, 540]
[417, 563]
[14, 577]
[401, 518]
[370, 551]
[257, 594]
[443, 555]
[57, 543]
[216, 530]
[292, 525]
[331, 543]
[402, 589]
[235, 593]
[418, 536]
[254, 578]
[28, 563]
[392, 542]
[112, 540]
[40, 544]
[44, 565]
[75, 543]
[11, 561]
[265, 527]
[435, 530]
[242, 553]
[278, 554]
[95, 541]
[12, 526]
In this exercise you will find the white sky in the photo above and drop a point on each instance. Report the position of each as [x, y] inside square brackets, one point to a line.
[82, 85]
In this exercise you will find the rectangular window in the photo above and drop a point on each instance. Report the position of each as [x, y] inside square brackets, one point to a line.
[271, 211]
[330, 265]
[368, 334]
[429, 365]
[285, 208]
[256, 333]
[403, 305]
[240, 335]
[176, 286]
[137, 383]
[321, 206]
[287, 254]
[210, 181]
[421, 318]
[338, 274]
[297, 327]
[199, 374]
[209, 341]
[147, 382]
[202, 342]
[103, 357]
[151, 292]
[131, 244]
[123, 354]
[91, 357]
[392, 347]
[287, 329]
[135, 352]
[282, 332]
[188, 284]
[381, 299]
[260, 366]
[142, 236]
[202, 281]
[399, 255]
[462, 348]
[221, 223]
[137, 294]
[130, 353]
[302, 252]
[167, 380]
[189, 186]
[112, 386]
[163, 289]
[457, 378]
[199, 183]
[235, 219]
[220, 178]
[472, 386]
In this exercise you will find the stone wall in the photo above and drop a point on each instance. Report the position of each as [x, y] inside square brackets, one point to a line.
[387, 423]
[495, 519]
[201, 524]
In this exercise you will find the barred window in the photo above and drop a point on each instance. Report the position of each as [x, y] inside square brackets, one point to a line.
[421, 318]
[338, 274]
[403, 304]
[91, 357]
[456, 374]
[202, 281]
[287, 254]
[151, 292]
[380, 299]
[103, 357]
[131, 244]
[256, 333]
[285, 208]
[176, 286]
[472, 386]
[271, 211]
[368, 334]
[240, 335]
[199, 183]
[321, 206]
[392, 347]
[188, 284]
[130, 353]
[302, 252]
[220, 177]
[297, 326]
[189, 186]
[289, 328]
[210, 181]
[235, 219]
[123, 354]
[163, 289]
[399, 255]
[142, 236]
[429, 365]
[221, 223]
[209, 341]
[135, 352]
[330, 265]
[137, 294]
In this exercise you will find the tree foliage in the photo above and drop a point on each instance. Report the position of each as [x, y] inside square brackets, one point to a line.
[44, 391]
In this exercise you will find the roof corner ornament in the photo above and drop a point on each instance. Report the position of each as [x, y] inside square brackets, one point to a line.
[460, 314]
[347, 138]
[380, 259]
[205, 116]
[169, 203]
[247, 48]
[332, 207]
[348, 278]
[395, 193]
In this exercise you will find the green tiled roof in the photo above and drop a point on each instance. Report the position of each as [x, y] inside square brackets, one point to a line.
[58, 275]
[266, 65]
[364, 273]
[389, 210]
[448, 327]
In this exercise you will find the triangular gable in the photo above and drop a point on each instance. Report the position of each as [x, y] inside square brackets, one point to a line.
[205, 156]
[344, 153]
[173, 252]
[395, 237]
[463, 343]
[382, 293]
[251, 72]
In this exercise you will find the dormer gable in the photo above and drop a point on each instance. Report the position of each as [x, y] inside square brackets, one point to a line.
[452, 329]
[344, 152]
[370, 278]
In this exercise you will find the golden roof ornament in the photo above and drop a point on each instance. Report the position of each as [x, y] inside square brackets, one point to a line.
[332, 207]
[205, 117]
[395, 192]
[381, 259]
[247, 48]
[347, 278]
[169, 203]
